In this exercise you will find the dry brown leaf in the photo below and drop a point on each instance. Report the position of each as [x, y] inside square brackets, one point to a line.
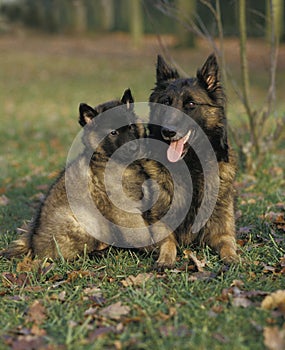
[12, 279]
[115, 311]
[241, 302]
[91, 311]
[74, 275]
[170, 331]
[202, 276]
[200, 264]
[28, 264]
[61, 296]
[274, 338]
[275, 300]
[4, 200]
[35, 330]
[162, 316]
[100, 333]
[138, 280]
[28, 342]
[36, 313]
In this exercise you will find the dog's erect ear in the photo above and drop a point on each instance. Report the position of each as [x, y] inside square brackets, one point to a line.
[86, 114]
[164, 72]
[127, 98]
[209, 75]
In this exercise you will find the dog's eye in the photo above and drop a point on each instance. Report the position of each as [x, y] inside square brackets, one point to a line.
[191, 104]
[114, 132]
[131, 126]
[166, 101]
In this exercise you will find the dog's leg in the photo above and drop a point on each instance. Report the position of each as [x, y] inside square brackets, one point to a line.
[220, 234]
[167, 253]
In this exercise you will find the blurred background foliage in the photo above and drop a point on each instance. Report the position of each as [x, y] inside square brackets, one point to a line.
[143, 16]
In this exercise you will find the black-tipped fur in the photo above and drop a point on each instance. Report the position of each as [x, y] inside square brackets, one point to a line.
[201, 98]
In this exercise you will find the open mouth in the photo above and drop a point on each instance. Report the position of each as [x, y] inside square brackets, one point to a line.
[178, 148]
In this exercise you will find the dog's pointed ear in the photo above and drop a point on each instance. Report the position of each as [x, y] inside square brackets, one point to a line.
[86, 114]
[164, 72]
[127, 98]
[209, 75]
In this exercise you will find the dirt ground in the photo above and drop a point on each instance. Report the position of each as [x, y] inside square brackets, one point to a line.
[119, 46]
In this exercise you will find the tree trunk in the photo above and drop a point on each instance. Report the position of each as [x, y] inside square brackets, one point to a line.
[107, 15]
[277, 15]
[186, 12]
[80, 19]
[136, 21]
[245, 75]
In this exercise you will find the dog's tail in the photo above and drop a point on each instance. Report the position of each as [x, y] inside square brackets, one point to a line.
[18, 247]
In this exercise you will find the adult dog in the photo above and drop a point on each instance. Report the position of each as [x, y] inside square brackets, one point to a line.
[202, 100]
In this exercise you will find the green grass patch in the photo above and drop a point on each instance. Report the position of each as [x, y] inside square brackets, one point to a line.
[116, 300]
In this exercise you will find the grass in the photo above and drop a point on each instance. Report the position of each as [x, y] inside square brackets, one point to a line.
[42, 81]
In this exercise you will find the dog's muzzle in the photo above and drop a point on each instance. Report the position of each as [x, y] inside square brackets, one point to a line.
[168, 133]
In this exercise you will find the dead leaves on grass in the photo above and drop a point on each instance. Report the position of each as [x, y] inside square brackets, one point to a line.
[138, 280]
[115, 311]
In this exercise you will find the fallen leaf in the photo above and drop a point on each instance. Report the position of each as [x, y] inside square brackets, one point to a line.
[275, 300]
[241, 302]
[28, 342]
[200, 264]
[94, 295]
[43, 187]
[277, 219]
[138, 280]
[202, 276]
[12, 279]
[274, 338]
[35, 330]
[239, 297]
[36, 313]
[115, 311]
[162, 316]
[61, 296]
[100, 333]
[74, 275]
[91, 311]
[244, 230]
[28, 264]
[4, 200]
[172, 331]
[237, 283]
[221, 338]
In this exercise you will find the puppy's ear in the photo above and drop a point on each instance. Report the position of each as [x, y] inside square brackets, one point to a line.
[86, 114]
[164, 72]
[127, 98]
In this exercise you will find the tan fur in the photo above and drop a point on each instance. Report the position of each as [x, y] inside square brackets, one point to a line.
[207, 109]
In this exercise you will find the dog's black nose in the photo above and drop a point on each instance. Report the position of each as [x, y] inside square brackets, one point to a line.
[168, 133]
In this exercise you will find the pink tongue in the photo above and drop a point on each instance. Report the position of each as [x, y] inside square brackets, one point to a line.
[175, 150]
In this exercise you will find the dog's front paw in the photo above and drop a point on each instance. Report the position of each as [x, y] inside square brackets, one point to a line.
[164, 262]
[229, 256]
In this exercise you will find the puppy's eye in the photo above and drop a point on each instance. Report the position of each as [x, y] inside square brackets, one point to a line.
[131, 126]
[114, 132]
[166, 101]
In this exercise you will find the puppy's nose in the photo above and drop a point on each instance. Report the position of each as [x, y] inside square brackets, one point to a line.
[168, 133]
